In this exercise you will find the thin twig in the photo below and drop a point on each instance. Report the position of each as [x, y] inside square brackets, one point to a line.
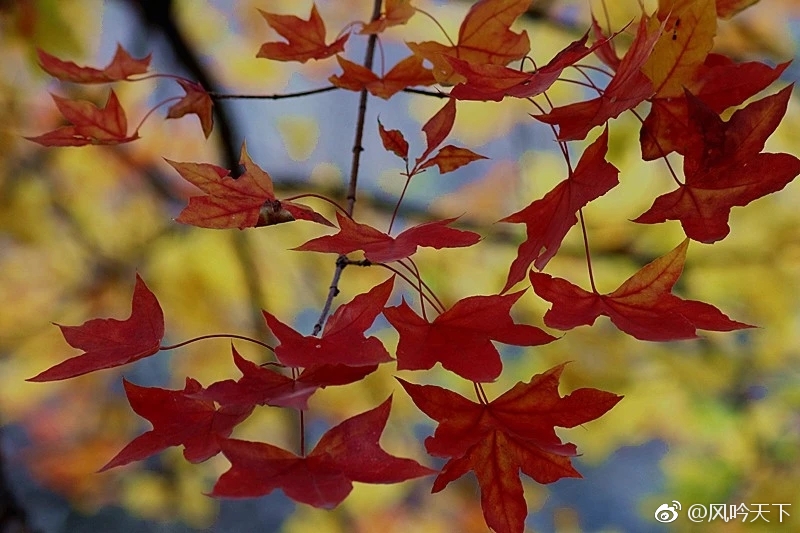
[341, 262]
[279, 96]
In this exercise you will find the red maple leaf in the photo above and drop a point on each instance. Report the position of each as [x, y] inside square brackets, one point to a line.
[342, 341]
[108, 342]
[548, 219]
[259, 386]
[407, 73]
[196, 102]
[627, 89]
[248, 201]
[726, 168]
[90, 124]
[515, 431]
[378, 247]
[396, 12]
[484, 37]
[306, 38]
[122, 67]
[346, 453]
[494, 82]
[461, 337]
[643, 307]
[178, 418]
[719, 83]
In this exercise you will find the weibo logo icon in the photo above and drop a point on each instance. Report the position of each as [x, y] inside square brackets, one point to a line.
[667, 513]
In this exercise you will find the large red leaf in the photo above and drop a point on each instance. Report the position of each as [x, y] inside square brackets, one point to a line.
[461, 337]
[196, 102]
[346, 453]
[627, 89]
[719, 83]
[379, 247]
[724, 167]
[643, 307]
[515, 431]
[306, 38]
[407, 73]
[484, 37]
[178, 418]
[548, 219]
[90, 124]
[248, 201]
[108, 342]
[342, 341]
[122, 67]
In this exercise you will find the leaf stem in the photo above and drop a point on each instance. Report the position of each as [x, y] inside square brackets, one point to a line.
[218, 336]
[436, 94]
[586, 248]
[279, 96]
[449, 40]
[658, 145]
[147, 115]
[399, 201]
[321, 197]
[412, 283]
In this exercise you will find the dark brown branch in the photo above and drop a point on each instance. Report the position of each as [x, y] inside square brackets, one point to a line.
[352, 186]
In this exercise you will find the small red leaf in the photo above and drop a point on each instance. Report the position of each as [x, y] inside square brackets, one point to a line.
[438, 128]
[196, 102]
[393, 141]
[548, 219]
[108, 342]
[379, 247]
[451, 158]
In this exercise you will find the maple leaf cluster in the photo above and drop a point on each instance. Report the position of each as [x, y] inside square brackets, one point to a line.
[669, 66]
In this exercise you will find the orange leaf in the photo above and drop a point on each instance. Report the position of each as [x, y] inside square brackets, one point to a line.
[689, 28]
[121, 68]
[450, 158]
[393, 141]
[248, 201]
[397, 12]
[198, 102]
[406, 73]
[483, 38]
[306, 38]
[90, 124]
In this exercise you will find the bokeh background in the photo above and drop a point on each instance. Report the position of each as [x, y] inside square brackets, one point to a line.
[709, 421]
